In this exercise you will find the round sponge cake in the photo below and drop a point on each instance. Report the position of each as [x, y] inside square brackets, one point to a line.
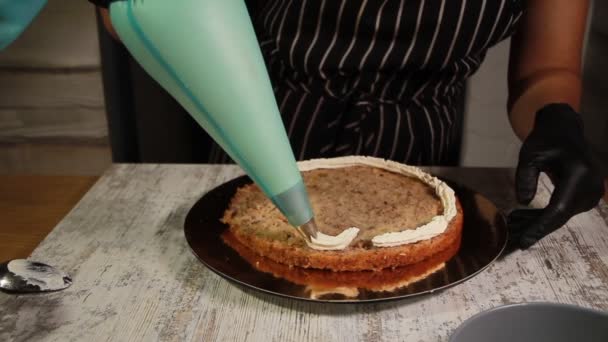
[375, 200]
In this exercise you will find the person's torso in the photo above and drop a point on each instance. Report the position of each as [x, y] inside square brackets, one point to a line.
[390, 50]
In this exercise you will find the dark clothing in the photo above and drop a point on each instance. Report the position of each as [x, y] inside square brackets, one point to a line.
[378, 78]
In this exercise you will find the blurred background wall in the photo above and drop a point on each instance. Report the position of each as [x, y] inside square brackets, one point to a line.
[488, 139]
[595, 82]
[52, 114]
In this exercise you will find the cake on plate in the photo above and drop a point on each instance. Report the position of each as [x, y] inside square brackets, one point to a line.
[404, 216]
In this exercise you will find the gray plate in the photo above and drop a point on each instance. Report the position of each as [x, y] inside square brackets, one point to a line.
[484, 238]
[534, 322]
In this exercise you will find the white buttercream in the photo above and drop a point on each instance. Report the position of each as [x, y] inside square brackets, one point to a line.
[46, 278]
[324, 242]
[436, 226]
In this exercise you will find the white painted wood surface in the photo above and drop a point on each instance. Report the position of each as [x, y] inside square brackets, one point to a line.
[37, 105]
[136, 280]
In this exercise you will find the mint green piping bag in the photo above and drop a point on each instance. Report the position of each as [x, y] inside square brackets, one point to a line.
[206, 55]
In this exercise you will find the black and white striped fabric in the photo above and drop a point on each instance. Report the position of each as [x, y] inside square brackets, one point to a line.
[382, 78]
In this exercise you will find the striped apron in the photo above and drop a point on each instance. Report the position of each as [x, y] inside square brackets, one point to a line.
[382, 78]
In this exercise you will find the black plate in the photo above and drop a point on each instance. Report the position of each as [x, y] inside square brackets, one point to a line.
[484, 238]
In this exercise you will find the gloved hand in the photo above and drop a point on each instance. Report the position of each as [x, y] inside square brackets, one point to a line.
[557, 147]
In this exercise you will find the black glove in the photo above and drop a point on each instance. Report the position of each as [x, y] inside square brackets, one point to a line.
[557, 147]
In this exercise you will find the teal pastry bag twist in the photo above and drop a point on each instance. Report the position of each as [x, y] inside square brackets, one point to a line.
[206, 55]
[15, 16]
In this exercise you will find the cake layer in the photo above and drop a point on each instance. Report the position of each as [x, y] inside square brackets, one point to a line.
[372, 199]
[335, 282]
[354, 258]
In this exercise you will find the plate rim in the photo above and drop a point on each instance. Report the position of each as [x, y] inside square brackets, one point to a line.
[245, 179]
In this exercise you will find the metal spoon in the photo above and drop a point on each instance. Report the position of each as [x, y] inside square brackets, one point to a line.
[27, 276]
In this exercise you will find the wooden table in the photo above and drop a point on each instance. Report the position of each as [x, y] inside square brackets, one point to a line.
[31, 206]
[136, 280]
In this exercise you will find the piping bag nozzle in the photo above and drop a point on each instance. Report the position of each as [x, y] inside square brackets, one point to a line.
[308, 231]
[295, 205]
